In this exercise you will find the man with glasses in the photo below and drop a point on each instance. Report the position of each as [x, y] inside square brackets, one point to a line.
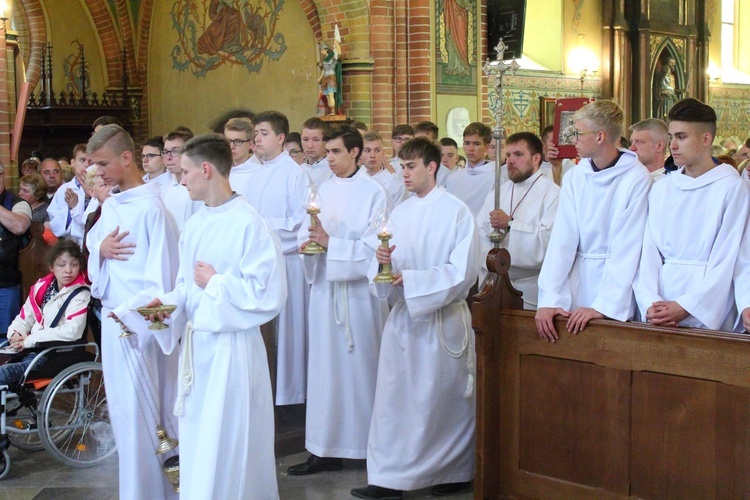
[15, 218]
[153, 164]
[399, 135]
[595, 246]
[245, 165]
[175, 196]
[314, 148]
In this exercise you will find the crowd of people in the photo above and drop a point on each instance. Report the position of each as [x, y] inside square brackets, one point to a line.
[262, 225]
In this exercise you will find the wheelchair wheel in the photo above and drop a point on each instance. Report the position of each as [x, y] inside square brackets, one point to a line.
[73, 417]
[21, 429]
[4, 464]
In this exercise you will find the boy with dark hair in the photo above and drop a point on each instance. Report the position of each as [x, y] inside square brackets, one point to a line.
[175, 196]
[133, 256]
[278, 192]
[153, 163]
[427, 129]
[422, 432]
[227, 288]
[345, 321]
[687, 262]
[314, 146]
[471, 184]
[448, 159]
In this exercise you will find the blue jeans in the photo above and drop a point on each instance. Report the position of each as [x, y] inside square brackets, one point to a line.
[12, 373]
[10, 306]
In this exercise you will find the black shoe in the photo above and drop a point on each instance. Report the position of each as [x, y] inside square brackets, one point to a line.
[378, 492]
[316, 464]
[441, 490]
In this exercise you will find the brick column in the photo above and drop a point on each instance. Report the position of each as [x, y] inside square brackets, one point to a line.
[5, 108]
[420, 66]
[382, 49]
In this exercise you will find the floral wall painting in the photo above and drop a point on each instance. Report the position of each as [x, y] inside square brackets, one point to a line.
[216, 33]
[456, 35]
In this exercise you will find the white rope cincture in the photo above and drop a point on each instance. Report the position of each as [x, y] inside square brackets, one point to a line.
[186, 374]
[341, 301]
[465, 347]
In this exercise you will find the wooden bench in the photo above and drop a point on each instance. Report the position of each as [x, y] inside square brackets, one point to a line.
[620, 410]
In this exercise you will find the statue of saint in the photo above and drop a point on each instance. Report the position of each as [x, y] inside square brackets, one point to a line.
[330, 80]
[665, 89]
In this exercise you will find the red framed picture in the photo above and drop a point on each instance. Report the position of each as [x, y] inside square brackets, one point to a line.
[564, 133]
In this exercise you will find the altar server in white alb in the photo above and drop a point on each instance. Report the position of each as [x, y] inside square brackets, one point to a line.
[471, 184]
[314, 148]
[174, 194]
[345, 321]
[528, 206]
[595, 246]
[279, 194]
[231, 281]
[245, 165]
[70, 204]
[133, 256]
[373, 159]
[422, 431]
[685, 274]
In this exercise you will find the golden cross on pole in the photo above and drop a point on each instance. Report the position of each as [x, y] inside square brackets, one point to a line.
[496, 70]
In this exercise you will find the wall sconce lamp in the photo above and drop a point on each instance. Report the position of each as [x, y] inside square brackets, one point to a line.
[583, 60]
[3, 14]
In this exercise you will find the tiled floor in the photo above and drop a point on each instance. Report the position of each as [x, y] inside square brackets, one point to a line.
[37, 476]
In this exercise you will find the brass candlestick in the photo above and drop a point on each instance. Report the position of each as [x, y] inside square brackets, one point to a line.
[166, 443]
[385, 275]
[312, 247]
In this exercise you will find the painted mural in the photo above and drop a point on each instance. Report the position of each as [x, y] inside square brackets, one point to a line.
[216, 33]
[732, 106]
[457, 37]
[76, 68]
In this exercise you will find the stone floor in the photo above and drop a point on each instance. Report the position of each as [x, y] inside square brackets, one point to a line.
[35, 475]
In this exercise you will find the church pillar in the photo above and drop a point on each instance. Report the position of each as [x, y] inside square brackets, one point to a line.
[5, 100]
[401, 68]
[382, 50]
[420, 61]
[700, 67]
[616, 57]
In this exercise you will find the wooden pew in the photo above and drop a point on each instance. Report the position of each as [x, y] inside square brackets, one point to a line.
[620, 410]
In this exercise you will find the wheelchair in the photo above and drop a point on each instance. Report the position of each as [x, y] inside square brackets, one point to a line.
[60, 407]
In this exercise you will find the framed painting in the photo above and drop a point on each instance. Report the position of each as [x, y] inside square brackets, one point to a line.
[565, 129]
[546, 112]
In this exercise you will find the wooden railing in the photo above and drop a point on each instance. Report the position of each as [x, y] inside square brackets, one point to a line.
[620, 410]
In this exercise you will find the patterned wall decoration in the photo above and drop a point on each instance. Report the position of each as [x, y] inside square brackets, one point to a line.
[521, 97]
[732, 106]
[75, 68]
[215, 33]
[577, 6]
[456, 35]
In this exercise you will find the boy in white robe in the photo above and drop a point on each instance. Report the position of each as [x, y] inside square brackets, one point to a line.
[448, 159]
[280, 192]
[422, 430]
[399, 135]
[471, 184]
[133, 256]
[227, 288]
[373, 159]
[70, 202]
[596, 243]
[685, 274]
[245, 165]
[314, 148]
[175, 196]
[528, 206]
[345, 321]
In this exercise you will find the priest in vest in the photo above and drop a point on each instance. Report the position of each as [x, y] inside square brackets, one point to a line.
[687, 262]
[422, 430]
[595, 246]
[528, 205]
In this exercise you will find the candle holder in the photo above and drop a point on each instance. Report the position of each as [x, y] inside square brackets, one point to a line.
[313, 208]
[383, 225]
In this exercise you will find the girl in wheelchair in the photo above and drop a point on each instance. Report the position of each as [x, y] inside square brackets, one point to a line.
[54, 311]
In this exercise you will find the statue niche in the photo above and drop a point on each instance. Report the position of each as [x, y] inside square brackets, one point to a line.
[667, 84]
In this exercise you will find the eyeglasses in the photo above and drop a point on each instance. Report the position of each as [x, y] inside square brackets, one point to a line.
[239, 142]
[172, 153]
[149, 156]
[579, 133]
[295, 152]
[401, 139]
